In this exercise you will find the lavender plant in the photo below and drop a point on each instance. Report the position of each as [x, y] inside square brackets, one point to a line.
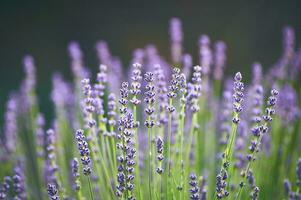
[205, 135]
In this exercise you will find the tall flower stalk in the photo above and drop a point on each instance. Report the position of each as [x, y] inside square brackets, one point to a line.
[136, 92]
[227, 166]
[84, 152]
[149, 123]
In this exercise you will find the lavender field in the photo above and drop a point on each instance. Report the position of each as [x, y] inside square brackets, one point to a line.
[178, 128]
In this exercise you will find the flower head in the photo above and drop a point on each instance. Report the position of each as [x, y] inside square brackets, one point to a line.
[84, 152]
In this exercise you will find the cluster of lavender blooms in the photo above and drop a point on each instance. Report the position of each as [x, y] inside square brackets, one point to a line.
[205, 136]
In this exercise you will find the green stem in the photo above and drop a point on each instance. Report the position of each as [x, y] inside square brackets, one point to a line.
[90, 188]
[167, 171]
[187, 153]
[79, 195]
[137, 172]
[249, 166]
[149, 130]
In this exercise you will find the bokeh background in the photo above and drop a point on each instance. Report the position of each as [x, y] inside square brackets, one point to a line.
[251, 30]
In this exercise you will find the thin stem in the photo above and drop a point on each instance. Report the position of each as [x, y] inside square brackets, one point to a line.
[249, 166]
[90, 188]
[229, 150]
[187, 152]
[137, 177]
[167, 172]
[79, 195]
[149, 130]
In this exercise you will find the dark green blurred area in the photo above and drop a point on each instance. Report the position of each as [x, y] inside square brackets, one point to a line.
[251, 29]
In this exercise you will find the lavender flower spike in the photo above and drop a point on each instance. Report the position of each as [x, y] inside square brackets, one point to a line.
[10, 128]
[76, 56]
[149, 99]
[288, 42]
[4, 188]
[187, 65]
[176, 37]
[75, 174]
[194, 188]
[84, 152]
[237, 97]
[52, 192]
[194, 90]
[205, 54]
[111, 113]
[160, 156]
[125, 175]
[161, 90]
[256, 73]
[136, 84]
[19, 183]
[50, 166]
[219, 59]
[287, 187]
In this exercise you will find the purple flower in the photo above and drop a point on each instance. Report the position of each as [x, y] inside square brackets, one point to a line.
[40, 135]
[161, 90]
[77, 64]
[255, 193]
[219, 59]
[296, 65]
[30, 72]
[125, 174]
[288, 42]
[194, 90]
[103, 53]
[113, 63]
[287, 187]
[225, 115]
[238, 95]
[160, 156]
[173, 88]
[59, 90]
[257, 104]
[84, 152]
[102, 79]
[50, 166]
[270, 110]
[138, 57]
[116, 75]
[176, 37]
[124, 93]
[52, 192]
[153, 59]
[149, 99]
[75, 174]
[112, 112]
[205, 54]
[221, 183]
[187, 65]
[75, 52]
[90, 104]
[19, 183]
[136, 84]
[28, 84]
[4, 188]
[10, 126]
[287, 105]
[256, 74]
[194, 188]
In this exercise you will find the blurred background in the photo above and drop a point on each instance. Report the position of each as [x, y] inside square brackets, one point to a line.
[252, 31]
